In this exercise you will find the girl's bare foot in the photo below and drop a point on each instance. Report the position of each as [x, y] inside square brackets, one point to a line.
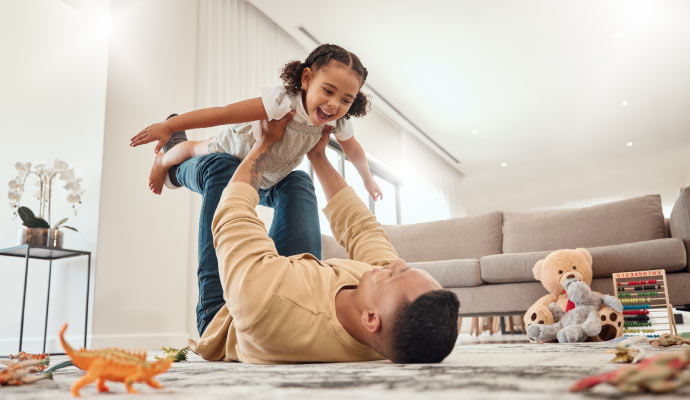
[157, 175]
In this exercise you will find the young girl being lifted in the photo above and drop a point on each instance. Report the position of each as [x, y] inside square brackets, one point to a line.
[323, 92]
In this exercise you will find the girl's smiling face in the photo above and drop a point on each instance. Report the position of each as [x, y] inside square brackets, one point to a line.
[328, 92]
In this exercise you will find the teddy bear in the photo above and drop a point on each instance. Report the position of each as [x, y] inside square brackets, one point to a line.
[552, 272]
[581, 322]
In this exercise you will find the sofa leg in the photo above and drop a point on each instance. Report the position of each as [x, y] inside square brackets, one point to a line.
[459, 324]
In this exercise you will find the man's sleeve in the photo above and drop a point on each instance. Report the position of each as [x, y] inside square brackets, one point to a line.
[356, 229]
[249, 266]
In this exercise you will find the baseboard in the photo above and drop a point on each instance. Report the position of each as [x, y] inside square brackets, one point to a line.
[134, 341]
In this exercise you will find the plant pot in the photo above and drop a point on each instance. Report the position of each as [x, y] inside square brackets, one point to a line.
[43, 237]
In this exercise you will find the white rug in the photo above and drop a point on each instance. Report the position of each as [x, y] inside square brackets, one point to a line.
[479, 371]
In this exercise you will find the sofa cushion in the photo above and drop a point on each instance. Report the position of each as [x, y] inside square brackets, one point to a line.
[452, 273]
[332, 249]
[680, 220]
[661, 253]
[457, 238]
[627, 221]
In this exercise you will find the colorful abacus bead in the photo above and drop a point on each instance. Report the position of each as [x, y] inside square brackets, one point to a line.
[635, 306]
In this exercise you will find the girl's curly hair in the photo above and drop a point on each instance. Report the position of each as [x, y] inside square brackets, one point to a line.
[322, 55]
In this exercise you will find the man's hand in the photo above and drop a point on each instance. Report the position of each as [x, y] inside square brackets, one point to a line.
[251, 169]
[319, 149]
[272, 131]
[158, 131]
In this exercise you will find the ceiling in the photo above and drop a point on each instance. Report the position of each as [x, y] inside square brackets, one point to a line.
[537, 88]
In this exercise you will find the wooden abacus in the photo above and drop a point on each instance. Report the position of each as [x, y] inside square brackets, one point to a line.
[646, 309]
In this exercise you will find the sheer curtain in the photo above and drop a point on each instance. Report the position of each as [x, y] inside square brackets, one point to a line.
[240, 51]
[430, 186]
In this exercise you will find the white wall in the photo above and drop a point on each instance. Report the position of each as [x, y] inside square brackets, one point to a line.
[642, 173]
[141, 283]
[52, 104]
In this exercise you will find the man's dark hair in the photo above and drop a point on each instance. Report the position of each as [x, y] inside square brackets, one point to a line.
[425, 330]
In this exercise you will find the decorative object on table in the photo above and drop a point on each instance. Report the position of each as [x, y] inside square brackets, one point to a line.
[552, 272]
[23, 356]
[113, 365]
[662, 373]
[176, 355]
[646, 308]
[627, 352]
[667, 340]
[580, 322]
[38, 231]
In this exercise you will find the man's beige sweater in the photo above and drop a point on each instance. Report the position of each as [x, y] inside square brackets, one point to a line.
[282, 309]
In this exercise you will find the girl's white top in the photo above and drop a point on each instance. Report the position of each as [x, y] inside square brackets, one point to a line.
[300, 135]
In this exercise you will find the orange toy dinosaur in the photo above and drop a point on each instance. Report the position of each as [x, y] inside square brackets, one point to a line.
[113, 365]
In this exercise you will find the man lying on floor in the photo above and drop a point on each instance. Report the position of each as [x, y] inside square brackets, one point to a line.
[300, 309]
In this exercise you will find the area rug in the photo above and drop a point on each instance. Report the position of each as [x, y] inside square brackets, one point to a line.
[478, 371]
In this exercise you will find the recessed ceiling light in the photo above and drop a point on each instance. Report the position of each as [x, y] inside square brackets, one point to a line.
[504, 164]
[629, 144]
[475, 132]
[624, 103]
[617, 35]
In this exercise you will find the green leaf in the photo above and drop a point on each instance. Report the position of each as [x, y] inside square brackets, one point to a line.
[70, 228]
[60, 222]
[26, 214]
[41, 223]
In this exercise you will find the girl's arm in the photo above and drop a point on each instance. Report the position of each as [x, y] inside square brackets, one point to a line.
[354, 151]
[242, 111]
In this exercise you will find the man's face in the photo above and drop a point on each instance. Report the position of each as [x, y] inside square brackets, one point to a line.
[385, 288]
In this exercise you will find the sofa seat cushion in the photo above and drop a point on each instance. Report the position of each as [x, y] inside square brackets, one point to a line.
[450, 239]
[452, 273]
[640, 256]
[627, 221]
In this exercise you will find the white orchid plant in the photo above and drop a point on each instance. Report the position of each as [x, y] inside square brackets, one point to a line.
[45, 175]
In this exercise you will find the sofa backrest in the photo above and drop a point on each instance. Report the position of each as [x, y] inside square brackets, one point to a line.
[633, 220]
[456, 238]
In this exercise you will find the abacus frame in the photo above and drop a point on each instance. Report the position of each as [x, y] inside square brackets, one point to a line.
[658, 275]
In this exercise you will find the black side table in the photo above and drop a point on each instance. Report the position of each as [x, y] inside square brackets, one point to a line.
[46, 253]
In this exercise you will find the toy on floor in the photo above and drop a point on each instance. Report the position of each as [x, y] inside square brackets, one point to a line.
[626, 352]
[552, 272]
[666, 340]
[647, 309]
[177, 355]
[662, 373]
[23, 356]
[581, 321]
[113, 365]
[18, 372]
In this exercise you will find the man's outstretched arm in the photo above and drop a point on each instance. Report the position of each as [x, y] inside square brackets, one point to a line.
[249, 266]
[353, 225]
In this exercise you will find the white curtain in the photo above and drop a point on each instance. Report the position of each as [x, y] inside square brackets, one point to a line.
[240, 50]
[430, 186]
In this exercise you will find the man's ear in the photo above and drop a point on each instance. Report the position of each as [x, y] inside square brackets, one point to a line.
[307, 76]
[536, 271]
[371, 321]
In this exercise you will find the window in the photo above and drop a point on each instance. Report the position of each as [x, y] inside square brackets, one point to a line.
[387, 210]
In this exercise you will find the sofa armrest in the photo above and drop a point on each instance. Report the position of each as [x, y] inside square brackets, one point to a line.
[680, 220]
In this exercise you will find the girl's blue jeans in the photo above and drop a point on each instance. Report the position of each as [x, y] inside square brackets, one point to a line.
[295, 228]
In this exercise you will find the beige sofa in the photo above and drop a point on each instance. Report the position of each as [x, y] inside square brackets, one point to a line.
[487, 260]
